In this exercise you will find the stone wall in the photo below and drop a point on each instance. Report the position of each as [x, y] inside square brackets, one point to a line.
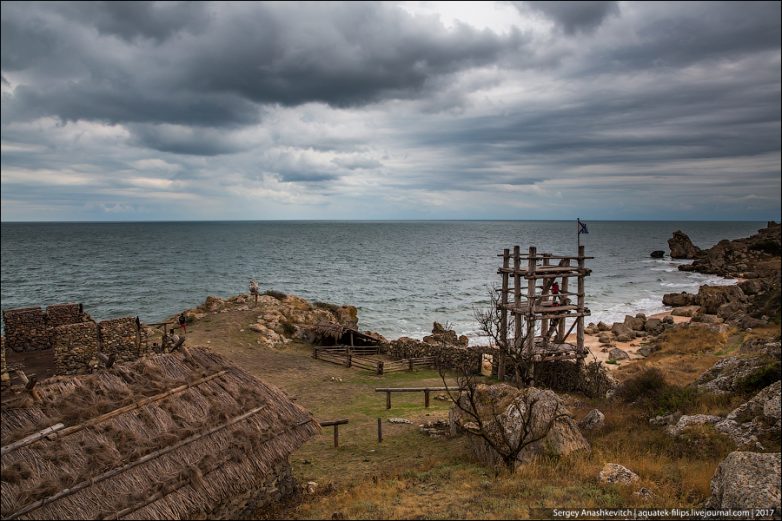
[448, 356]
[25, 329]
[120, 336]
[278, 484]
[75, 347]
[64, 314]
[3, 365]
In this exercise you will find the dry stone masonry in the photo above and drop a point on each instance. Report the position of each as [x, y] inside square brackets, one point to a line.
[25, 329]
[120, 336]
[75, 347]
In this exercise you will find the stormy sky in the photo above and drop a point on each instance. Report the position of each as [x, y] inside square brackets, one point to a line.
[510, 110]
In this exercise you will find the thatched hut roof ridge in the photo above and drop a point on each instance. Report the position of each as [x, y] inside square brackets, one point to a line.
[229, 430]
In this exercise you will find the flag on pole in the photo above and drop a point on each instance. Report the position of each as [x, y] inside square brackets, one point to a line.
[582, 227]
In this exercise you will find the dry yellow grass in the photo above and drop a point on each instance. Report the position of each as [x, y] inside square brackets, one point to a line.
[411, 476]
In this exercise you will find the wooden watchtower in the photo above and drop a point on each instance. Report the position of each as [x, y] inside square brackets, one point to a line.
[533, 320]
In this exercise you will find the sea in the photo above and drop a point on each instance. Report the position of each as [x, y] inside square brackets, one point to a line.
[402, 275]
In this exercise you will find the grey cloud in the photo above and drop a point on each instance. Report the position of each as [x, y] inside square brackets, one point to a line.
[576, 16]
[220, 65]
[130, 19]
[194, 141]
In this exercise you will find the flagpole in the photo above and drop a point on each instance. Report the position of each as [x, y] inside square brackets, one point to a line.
[578, 233]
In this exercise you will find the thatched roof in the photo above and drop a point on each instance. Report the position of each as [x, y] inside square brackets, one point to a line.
[217, 436]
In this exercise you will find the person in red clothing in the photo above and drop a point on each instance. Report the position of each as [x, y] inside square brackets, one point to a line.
[555, 293]
[183, 323]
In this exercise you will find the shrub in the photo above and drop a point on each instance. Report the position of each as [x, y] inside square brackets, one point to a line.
[288, 328]
[650, 391]
[760, 378]
[279, 295]
[649, 382]
[768, 246]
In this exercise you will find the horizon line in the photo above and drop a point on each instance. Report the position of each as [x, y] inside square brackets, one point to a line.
[151, 221]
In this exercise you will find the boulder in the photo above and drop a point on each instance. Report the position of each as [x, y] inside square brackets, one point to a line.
[685, 311]
[614, 473]
[592, 421]
[213, 304]
[746, 480]
[733, 311]
[708, 319]
[759, 416]
[682, 247]
[617, 354]
[602, 326]
[679, 299]
[653, 325]
[710, 298]
[657, 254]
[620, 329]
[635, 323]
[504, 410]
[751, 286]
[727, 374]
[688, 421]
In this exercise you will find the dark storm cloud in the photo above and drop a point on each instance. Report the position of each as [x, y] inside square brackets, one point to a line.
[130, 20]
[576, 15]
[208, 66]
[299, 103]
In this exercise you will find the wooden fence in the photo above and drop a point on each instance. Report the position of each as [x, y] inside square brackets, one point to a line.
[425, 390]
[361, 358]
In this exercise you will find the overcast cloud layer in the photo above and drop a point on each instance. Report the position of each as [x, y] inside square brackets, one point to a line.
[517, 110]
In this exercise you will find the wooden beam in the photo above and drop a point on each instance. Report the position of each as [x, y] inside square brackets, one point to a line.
[503, 315]
[93, 421]
[31, 438]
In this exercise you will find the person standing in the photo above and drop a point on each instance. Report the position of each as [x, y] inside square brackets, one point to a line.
[555, 293]
[254, 289]
[183, 323]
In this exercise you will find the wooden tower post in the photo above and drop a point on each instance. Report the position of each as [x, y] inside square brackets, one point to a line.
[503, 314]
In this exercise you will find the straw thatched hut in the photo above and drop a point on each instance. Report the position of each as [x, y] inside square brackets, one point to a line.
[180, 435]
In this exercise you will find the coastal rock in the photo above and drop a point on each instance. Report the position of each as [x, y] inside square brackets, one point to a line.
[746, 480]
[682, 247]
[213, 304]
[653, 325]
[680, 299]
[440, 335]
[634, 323]
[710, 298]
[747, 257]
[505, 410]
[602, 326]
[657, 254]
[613, 473]
[592, 421]
[708, 319]
[617, 354]
[685, 311]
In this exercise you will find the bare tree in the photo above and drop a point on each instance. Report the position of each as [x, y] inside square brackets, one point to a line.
[491, 424]
[511, 353]
[488, 422]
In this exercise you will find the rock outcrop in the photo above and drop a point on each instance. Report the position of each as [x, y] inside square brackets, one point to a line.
[732, 374]
[281, 318]
[506, 413]
[613, 473]
[746, 480]
[592, 421]
[682, 247]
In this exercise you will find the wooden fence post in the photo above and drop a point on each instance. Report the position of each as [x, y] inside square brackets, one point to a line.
[380, 367]
[379, 430]
[426, 398]
[336, 435]
[388, 399]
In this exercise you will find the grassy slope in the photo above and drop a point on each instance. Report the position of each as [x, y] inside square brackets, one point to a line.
[412, 476]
